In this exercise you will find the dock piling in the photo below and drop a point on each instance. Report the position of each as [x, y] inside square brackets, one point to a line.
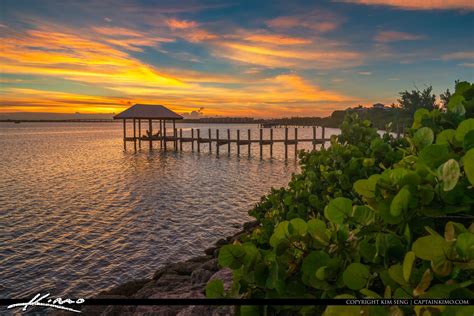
[217, 142]
[271, 142]
[125, 134]
[261, 143]
[238, 142]
[286, 143]
[134, 135]
[296, 141]
[250, 143]
[314, 137]
[140, 133]
[192, 139]
[210, 141]
[228, 141]
[199, 140]
[181, 139]
[323, 136]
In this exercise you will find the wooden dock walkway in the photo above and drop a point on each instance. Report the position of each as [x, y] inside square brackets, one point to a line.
[215, 141]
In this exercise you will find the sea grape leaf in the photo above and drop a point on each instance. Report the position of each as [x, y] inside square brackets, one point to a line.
[434, 155]
[450, 172]
[215, 289]
[318, 230]
[455, 99]
[418, 117]
[297, 227]
[366, 187]
[468, 161]
[363, 215]
[408, 265]
[400, 202]
[445, 137]
[231, 256]
[280, 233]
[430, 248]
[396, 273]
[468, 142]
[463, 128]
[465, 246]
[338, 209]
[356, 276]
[423, 137]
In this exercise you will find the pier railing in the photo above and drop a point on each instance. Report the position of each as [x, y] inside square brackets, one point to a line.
[215, 140]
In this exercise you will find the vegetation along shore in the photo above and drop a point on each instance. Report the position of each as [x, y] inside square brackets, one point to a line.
[368, 217]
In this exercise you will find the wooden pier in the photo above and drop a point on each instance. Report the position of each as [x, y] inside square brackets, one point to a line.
[177, 138]
[214, 141]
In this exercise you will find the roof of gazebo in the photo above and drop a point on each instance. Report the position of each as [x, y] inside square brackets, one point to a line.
[148, 111]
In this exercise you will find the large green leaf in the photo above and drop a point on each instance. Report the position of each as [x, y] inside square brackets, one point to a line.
[366, 187]
[356, 276]
[318, 230]
[297, 227]
[445, 137]
[408, 265]
[280, 233]
[468, 142]
[468, 161]
[400, 202]
[423, 137]
[215, 289]
[463, 128]
[431, 248]
[450, 172]
[338, 209]
[231, 256]
[434, 155]
[465, 245]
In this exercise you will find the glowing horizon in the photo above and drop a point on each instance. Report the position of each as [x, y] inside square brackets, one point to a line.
[228, 59]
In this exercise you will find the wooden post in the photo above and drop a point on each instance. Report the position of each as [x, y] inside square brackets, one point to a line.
[181, 139]
[261, 144]
[161, 134]
[296, 141]
[175, 136]
[164, 135]
[238, 142]
[175, 139]
[286, 142]
[323, 135]
[271, 142]
[134, 135]
[228, 141]
[314, 137]
[217, 142]
[250, 144]
[150, 130]
[210, 141]
[199, 140]
[140, 133]
[192, 139]
[124, 134]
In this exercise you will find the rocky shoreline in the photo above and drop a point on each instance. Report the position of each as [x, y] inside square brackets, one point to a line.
[186, 279]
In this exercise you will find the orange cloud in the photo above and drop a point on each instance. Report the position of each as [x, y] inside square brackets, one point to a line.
[319, 21]
[393, 36]
[181, 24]
[277, 39]
[419, 4]
[321, 55]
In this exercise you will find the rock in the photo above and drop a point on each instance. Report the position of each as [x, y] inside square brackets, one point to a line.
[225, 275]
[200, 276]
[210, 251]
[127, 289]
[211, 265]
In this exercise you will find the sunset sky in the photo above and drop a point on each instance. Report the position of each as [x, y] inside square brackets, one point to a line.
[228, 58]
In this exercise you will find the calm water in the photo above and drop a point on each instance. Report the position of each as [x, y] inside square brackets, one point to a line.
[79, 215]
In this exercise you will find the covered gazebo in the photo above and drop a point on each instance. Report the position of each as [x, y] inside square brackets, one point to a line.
[148, 112]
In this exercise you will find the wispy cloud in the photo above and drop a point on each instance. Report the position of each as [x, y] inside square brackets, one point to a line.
[394, 36]
[365, 73]
[418, 4]
[465, 55]
[181, 24]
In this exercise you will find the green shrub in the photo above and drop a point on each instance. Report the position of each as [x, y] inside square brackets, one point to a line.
[370, 217]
